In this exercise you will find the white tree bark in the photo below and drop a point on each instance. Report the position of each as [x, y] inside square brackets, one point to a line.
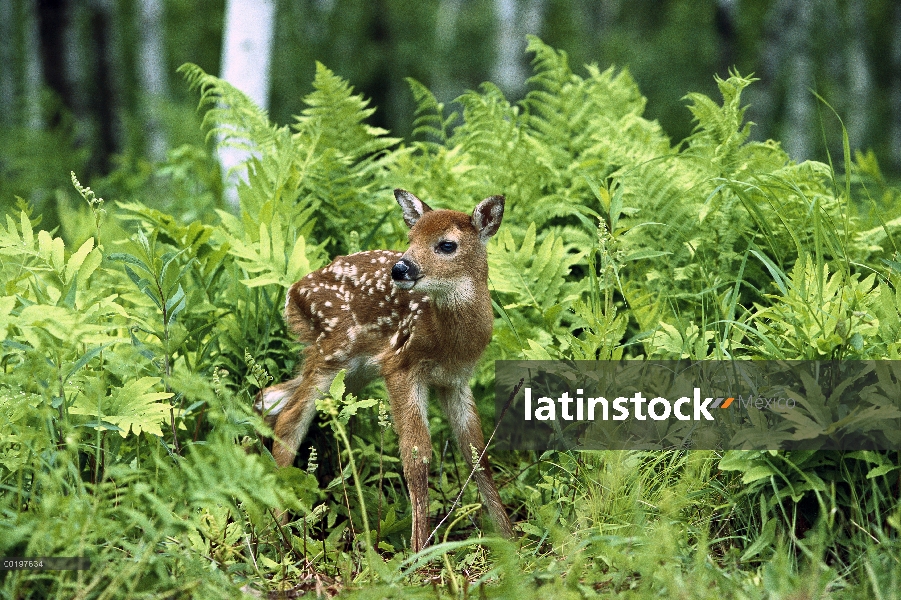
[515, 20]
[859, 77]
[446, 18]
[154, 83]
[799, 124]
[246, 56]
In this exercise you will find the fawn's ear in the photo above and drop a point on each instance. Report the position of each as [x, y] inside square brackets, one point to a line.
[412, 206]
[486, 217]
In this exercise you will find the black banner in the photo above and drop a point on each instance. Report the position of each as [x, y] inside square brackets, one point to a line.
[704, 405]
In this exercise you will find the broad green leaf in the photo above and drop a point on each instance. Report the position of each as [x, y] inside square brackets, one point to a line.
[7, 303]
[77, 259]
[336, 390]
[52, 250]
[882, 470]
[134, 407]
[763, 541]
[298, 264]
[536, 351]
[27, 233]
[757, 472]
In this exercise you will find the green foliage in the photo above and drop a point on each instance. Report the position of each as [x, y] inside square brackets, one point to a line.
[162, 325]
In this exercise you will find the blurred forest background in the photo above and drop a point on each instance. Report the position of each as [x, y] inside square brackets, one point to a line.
[91, 85]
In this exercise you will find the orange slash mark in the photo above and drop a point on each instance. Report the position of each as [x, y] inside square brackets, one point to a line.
[727, 403]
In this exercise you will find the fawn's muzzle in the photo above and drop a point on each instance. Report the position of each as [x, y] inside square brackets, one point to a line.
[404, 273]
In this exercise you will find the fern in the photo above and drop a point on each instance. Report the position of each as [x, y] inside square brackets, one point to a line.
[529, 280]
[818, 315]
[339, 116]
[133, 408]
[266, 255]
[429, 118]
[231, 115]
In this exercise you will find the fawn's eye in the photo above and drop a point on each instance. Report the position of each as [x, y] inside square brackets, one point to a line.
[446, 247]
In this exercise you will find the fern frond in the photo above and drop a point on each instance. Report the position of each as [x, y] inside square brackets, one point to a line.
[340, 117]
[231, 116]
[429, 119]
[551, 66]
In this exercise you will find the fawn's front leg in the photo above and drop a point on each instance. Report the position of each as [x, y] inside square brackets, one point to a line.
[459, 406]
[409, 401]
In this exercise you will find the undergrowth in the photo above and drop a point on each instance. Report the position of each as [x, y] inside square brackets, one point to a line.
[135, 336]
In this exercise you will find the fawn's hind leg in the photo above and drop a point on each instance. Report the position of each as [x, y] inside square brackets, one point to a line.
[460, 408]
[293, 405]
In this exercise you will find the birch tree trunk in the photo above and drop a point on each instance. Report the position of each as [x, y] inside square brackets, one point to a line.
[860, 92]
[446, 18]
[514, 21]
[153, 81]
[246, 56]
[762, 96]
[799, 124]
[30, 111]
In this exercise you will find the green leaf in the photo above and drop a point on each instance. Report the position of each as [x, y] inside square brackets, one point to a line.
[27, 232]
[763, 541]
[85, 359]
[175, 304]
[336, 390]
[536, 351]
[882, 470]
[7, 303]
[757, 472]
[134, 407]
[129, 258]
[351, 408]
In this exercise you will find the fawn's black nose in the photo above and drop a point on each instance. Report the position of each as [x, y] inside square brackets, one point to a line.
[404, 270]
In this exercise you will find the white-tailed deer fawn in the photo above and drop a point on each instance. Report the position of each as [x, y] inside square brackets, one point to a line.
[421, 320]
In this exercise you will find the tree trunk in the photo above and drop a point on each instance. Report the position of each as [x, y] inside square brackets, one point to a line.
[104, 104]
[799, 125]
[31, 112]
[53, 24]
[514, 21]
[153, 80]
[860, 80]
[724, 20]
[246, 56]
[446, 18]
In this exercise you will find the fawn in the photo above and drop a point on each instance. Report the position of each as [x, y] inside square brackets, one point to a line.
[420, 320]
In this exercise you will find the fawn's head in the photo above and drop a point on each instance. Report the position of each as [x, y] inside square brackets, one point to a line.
[447, 258]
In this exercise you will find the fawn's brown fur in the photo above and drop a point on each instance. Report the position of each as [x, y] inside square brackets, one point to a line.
[420, 320]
